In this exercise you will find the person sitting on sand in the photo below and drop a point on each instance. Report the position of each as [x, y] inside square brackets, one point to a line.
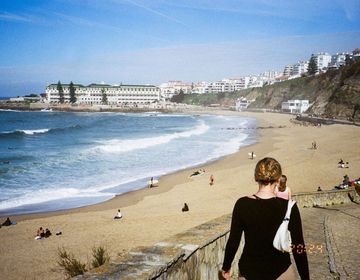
[7, 222]
[282, 190]
[118, 215]
[47, 233]
[185, 208]
[319, 189]
[40, 233]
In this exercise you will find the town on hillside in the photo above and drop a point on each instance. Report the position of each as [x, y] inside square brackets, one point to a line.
[160, 97]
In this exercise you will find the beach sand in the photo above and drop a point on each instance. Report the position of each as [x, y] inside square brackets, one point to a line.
[151, 215]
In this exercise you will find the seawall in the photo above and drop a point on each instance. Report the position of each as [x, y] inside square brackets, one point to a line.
[197, 254]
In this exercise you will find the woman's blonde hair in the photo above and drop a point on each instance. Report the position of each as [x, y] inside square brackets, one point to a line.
[267, 170]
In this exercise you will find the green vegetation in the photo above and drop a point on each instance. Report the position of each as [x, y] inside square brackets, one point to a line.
[73, 266]
[100, 256]
[69, 264]
[178, 98]
[72, 93]
[61, 92]
[312, 67]
[104, 99]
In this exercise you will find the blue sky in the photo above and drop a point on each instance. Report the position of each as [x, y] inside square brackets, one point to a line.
[150, 42]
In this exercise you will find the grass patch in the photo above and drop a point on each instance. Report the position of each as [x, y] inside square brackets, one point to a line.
[100, 255]
[69, 264]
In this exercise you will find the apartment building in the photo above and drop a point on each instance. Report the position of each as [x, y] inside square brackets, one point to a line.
[323, 61]
[170, 88]
[300, 68]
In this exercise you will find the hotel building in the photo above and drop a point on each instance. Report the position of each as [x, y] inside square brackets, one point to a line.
[116, 94]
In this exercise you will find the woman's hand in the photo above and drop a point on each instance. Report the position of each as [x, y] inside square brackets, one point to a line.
[226, 274]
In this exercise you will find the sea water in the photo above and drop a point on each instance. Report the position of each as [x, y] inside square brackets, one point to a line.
[59, 160]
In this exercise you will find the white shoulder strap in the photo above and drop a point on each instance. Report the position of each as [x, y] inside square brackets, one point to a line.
[291, 203]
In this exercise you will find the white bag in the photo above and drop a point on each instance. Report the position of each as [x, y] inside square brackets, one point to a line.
[282, 239]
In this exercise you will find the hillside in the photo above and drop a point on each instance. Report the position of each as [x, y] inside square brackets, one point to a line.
[332, 94]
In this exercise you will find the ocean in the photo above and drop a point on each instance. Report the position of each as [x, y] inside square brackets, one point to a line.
[59, 160]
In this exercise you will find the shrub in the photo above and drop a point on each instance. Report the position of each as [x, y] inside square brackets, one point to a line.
[69, 264]
[100, 255]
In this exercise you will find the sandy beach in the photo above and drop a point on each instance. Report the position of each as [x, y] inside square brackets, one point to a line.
[150, 215]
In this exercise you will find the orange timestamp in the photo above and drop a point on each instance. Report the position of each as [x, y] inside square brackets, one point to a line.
[318, 248]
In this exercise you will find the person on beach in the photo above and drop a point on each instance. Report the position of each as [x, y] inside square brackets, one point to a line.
[40, 233]
[259, 217]
[7, 222]
[118, 215]
[185, 208]
[47, 233]
[212, 179]
[282, 190]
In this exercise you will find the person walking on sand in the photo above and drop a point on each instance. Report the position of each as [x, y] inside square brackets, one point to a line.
[283, 191]
[259, 217]
[212, 179]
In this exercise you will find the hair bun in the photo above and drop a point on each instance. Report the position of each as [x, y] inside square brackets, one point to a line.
[267, 170]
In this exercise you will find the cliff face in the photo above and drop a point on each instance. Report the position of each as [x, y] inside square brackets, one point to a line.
[332, 94]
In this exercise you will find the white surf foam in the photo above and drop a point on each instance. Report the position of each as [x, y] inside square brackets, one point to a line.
[229, 147]
[34, 131]
[45, 195]
[127, 145]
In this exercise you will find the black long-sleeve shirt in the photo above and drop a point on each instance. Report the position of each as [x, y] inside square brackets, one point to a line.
[260, 219]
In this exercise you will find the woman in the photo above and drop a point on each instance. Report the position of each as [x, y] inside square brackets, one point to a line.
[283, 191]
[259, 216]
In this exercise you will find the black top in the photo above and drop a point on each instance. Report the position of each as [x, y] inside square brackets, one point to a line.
[260, 219]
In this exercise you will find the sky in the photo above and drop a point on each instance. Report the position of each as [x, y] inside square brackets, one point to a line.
[154, 41]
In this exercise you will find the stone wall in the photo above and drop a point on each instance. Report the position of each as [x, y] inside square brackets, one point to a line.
[326, 198]
[197, 254]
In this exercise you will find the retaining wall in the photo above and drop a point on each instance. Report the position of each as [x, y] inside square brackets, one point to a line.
[197, 254]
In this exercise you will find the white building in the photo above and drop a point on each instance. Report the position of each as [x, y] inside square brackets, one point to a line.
[242, 103]
[288, 70]
[17, 99]
[170, 88]
[116, 95]
[199, 88]
[295, 106]
[255, 81]
[338, 60]
[323, 61]
[228, 85]
[300, 68]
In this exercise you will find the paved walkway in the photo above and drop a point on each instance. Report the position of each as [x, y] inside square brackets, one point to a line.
[332, 236]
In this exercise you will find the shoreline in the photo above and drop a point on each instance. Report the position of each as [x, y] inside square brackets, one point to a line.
[154, 214]
[134, 196]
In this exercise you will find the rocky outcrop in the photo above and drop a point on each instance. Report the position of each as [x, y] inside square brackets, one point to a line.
[332, 94]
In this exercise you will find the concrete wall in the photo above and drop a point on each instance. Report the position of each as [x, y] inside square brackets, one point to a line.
[197, 254]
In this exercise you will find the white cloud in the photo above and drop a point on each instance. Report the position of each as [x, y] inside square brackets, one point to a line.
[156, 12]
[14, 17]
